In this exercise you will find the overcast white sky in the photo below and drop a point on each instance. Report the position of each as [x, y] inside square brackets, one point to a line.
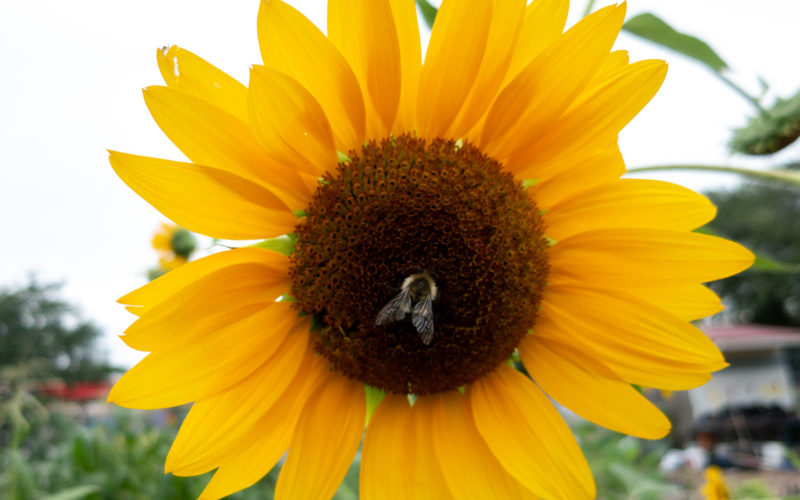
[70, 80]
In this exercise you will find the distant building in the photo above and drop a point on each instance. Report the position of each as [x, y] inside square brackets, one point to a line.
[764, 370]
[748, 410]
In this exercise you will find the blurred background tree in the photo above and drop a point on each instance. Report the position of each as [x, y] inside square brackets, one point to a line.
[763, 218]
[42, 332]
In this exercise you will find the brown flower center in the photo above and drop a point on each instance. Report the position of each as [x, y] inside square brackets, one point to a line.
[415, 222]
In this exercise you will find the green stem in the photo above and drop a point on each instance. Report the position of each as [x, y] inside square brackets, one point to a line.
[739, 90]
[785, 177]
[589, 7]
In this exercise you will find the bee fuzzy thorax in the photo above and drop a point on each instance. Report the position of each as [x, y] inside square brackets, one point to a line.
[421, 284]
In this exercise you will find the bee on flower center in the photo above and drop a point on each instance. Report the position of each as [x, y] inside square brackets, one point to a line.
[415, 298]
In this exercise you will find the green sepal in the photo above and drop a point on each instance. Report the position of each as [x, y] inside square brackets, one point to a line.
[282, 244]
[769, 132]
[316, 324]
[343, 158]
[374, 397]
[529, 182]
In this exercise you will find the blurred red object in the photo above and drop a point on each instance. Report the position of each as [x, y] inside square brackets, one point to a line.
[80, 391]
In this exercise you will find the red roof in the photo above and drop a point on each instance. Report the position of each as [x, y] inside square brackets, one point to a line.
[753, 337]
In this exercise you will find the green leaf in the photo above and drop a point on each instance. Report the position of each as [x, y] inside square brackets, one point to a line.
[763, 263]
[282, 244]
[74, 493]
[783, 177]
[652, 28]
[768, 264]
[428, 12]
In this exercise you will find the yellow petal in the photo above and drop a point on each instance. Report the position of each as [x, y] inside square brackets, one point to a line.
[528, 436]
[291, 44]
[639, 367]
[178, 375]
[506, 23]
[614, 63]
[159, 289]
[204, 199]
[290, 123]
[544, 89]
[385, 457]
[689, 302]
[469, 467]
[209, 136]
[405, 21]
[397, 460]
[215, 425]
[207, 305]
[638, 257]
[184, 71]
[640, 342]
[364, 32]
[427, 481]
[544, 22]
[268, 439]
[595, 118]
[455, 51]
[325, 441]
[586, 386]
[629, 203]
[576, 175]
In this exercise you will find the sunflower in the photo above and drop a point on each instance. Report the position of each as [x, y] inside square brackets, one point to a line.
[714, 488]
[174, 245]
[443, 225]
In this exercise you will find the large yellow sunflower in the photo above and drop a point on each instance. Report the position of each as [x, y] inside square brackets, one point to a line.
[441, 218]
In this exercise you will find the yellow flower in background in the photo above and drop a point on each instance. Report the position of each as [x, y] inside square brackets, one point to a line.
[441, 217]
[162, 239]
[714, 487]
[174, 245]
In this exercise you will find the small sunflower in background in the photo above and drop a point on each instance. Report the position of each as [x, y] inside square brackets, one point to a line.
[174, 245]
[438, 221]
[714, 488]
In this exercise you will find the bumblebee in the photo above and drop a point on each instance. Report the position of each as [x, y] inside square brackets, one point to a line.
[415, 298]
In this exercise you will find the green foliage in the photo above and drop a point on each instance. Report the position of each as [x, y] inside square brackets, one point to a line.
[654, 29]
[428, 12]
[624, 467]
[752, 490]
[750, 215]
[39, 330]
[121, 458]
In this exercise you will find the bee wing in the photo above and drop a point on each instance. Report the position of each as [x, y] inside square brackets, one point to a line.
[422, 319]
[396, 309]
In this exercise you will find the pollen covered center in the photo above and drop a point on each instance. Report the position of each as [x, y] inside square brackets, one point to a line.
[409, 231]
